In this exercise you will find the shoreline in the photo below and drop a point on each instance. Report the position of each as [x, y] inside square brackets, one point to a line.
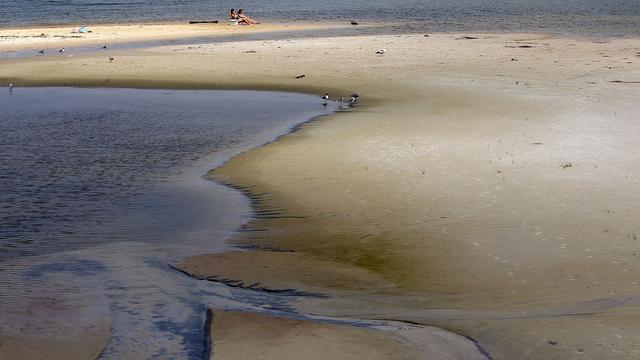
[436, 154]
[16, 39]
[140, 35]
[192, 177]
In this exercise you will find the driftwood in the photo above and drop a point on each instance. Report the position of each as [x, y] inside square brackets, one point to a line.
[204, 22]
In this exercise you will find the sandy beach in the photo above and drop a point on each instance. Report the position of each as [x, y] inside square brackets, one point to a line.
[56, 37]
[484, 184]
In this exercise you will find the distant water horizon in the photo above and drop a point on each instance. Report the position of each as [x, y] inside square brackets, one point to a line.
[581, 17]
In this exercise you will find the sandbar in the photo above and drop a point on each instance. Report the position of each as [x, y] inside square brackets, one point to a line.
[485, 183]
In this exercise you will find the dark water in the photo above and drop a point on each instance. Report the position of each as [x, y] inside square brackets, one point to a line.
[101, 188]
[74, 160]
[595, 17]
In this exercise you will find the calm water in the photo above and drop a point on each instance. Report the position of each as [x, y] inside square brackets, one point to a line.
[73, 160]
[596, 17]
[101, 188]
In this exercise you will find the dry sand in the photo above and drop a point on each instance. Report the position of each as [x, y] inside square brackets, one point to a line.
[37, 38]
[484, 185]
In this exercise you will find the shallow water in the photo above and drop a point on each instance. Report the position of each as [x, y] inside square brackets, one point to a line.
[587, 17]
[101, 188]
[81, 167]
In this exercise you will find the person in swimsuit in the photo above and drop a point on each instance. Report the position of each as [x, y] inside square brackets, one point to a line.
[244, 19]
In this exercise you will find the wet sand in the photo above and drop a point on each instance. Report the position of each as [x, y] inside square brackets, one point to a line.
[86, 345]
[246, 335]
[485, 183]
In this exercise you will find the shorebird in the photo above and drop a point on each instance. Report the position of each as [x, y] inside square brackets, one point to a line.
[11, 87]
[353, 98]
[381, 51]
[325, 98]
[61, 50]
[111, 58]
[106, 46]
[42, 51]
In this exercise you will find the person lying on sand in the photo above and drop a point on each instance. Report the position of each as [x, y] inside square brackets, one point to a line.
[243, 19]
[233, 15]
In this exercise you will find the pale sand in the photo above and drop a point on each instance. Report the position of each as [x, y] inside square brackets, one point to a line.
[243, 335]
[446, 189]
[14, 39]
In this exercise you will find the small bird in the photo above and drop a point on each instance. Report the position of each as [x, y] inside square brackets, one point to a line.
[11, 87]
[106, 46]
[42, 51]
[111, 58]
[325, 98]
[381, 51]
[353, 98]
[61, 50]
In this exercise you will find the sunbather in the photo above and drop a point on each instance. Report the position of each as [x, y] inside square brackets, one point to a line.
[244, 19]
[233, 15]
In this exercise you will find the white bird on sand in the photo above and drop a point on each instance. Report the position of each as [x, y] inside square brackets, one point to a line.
[111, 58]
[61, 50]
[11, 87]
[381, 51]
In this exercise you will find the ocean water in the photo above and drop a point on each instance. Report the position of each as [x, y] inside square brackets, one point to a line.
[101, 188]
[588, 17]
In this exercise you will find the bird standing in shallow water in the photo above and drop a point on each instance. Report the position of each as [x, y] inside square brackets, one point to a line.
[42, 51]
[11, 87]
[61, 50]
[325, 98]
[106, 46]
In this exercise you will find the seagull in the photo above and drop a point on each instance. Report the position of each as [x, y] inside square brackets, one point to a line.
[111, 58]
[11, 87]
[42, 51]
[61, 50]
[105, 46]
[353, 98]
[325, 98]
[381, 51]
